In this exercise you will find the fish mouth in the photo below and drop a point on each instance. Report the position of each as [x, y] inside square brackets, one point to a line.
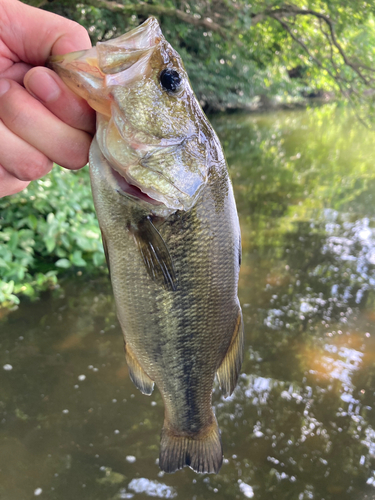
[92, 73]
[132, 190]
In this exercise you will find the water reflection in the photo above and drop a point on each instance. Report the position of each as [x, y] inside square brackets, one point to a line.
[301, 423]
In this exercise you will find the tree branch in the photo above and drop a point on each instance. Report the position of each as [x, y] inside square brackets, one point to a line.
[304, 46]
[159, 10]
[286, 16]
[294, 11]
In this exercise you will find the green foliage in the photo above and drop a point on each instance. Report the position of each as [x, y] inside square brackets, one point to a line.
[45, 230]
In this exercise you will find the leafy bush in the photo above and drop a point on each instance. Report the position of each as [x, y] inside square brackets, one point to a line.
[48, 228]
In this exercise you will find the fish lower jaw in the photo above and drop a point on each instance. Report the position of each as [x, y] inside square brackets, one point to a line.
[132, 190]
[163, 207]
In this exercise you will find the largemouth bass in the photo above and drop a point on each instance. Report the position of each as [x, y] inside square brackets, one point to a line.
[170, 233]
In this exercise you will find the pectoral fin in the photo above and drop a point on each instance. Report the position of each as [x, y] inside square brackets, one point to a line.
[230, 367]
[155, 254]
[138, 376]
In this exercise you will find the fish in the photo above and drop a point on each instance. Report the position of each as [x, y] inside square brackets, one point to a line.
[170, 232]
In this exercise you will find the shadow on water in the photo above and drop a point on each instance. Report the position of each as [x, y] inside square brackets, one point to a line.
[301, 423]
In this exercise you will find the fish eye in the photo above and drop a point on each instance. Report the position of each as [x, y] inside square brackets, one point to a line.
[170, 79]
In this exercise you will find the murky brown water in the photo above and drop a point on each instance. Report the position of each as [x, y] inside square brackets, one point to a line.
[301, 424]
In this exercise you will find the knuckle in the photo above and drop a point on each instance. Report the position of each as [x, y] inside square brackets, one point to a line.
[15, 118]
[14, 109]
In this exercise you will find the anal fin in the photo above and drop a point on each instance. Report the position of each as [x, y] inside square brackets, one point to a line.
[230, 367]
[137, 374]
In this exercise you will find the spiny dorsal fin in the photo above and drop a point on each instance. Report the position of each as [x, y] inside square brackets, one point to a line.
[155, 254]
[231, 364]
[138, 376]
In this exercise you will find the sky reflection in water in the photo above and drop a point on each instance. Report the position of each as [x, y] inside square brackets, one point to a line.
[301, 423]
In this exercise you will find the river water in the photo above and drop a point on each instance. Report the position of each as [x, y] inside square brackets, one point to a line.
[301, 423]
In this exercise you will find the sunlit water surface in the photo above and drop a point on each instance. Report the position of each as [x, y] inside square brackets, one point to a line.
[301, 423]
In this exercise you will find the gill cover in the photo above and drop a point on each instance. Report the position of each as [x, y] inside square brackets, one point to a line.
[147, 128]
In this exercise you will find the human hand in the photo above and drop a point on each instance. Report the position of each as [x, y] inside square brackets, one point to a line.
[43, 121]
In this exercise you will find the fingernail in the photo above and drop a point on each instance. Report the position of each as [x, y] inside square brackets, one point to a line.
[42, 86]
[4, 87]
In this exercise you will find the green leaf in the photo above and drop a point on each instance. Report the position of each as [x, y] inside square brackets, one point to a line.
[63, 263]
[7, 288]
[50, 218]
[86, 244]
[3, 263]
[98, 259]
[13, 241]
[32, 221]
[50, 243]
[60, 252]
[77, 259]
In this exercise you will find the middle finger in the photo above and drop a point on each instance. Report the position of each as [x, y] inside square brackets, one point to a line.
[31, 121]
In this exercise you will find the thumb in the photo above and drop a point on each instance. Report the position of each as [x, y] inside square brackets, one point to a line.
[32, 35]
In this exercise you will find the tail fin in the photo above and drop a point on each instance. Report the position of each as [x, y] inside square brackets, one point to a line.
[203, 453]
